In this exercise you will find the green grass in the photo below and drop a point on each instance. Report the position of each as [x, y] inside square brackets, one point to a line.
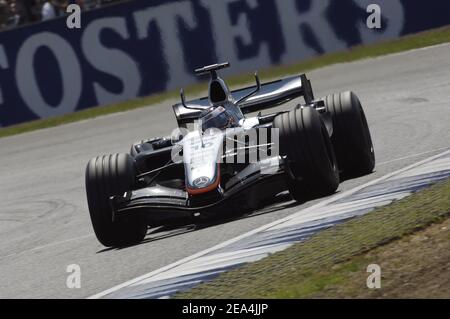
[360, 52]
[309, 268]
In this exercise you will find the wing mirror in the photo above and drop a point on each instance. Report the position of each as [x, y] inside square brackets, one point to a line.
[258, 88]
[183, 102]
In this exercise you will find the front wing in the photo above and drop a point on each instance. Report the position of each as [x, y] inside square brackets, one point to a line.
[161, 203]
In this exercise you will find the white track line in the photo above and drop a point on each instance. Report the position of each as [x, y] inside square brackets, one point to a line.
[262, 228]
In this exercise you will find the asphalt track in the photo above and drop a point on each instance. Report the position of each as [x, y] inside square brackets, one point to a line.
[44, 223]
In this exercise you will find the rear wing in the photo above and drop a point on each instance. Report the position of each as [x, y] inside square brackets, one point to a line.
[270, 95]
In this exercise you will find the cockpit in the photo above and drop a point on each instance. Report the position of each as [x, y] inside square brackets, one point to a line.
[218, 117]
[223, 110]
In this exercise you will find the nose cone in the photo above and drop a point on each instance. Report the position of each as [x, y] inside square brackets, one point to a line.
[201, 155]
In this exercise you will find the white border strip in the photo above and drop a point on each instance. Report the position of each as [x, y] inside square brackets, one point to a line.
[263, 228]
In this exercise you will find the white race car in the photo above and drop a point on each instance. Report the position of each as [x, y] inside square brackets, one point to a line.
[228, 162]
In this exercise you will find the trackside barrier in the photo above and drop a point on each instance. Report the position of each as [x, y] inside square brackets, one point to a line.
[141, 47]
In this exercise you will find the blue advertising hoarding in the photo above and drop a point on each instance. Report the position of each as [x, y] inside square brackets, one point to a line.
[141, 47]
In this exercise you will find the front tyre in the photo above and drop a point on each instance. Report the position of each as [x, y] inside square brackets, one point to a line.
[311, 163]
[107, 176]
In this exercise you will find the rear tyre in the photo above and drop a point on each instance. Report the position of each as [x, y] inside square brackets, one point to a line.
[311, 163]
[351, 136]
[107, 176]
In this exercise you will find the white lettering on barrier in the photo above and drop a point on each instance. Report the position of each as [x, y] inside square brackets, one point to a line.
[111, 61]
[291, 20]
[70, 74]
[166, 17]
[226, 34]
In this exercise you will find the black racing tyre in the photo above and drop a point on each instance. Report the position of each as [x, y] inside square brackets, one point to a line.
[312, 167]
[351, 136]
[107, 176]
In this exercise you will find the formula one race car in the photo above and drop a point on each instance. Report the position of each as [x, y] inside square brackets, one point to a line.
[227, 162]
